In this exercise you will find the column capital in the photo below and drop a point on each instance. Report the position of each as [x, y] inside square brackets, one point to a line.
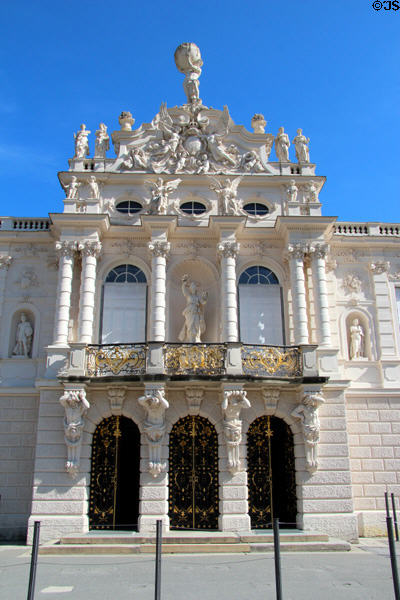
[319, 250]
[66, 249]
[5, 261]
[228, 249]
[297, 250]
[159, 248]
[379, 267]
[90, 248]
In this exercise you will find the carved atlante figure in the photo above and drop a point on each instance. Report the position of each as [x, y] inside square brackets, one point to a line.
[301, 145]
[155, 404]
[102, 143]
[231, 406]
[307, 412]
[193, 313]
[282, 144]
[188, 61]
[81, 142]
[356, 340]
[23, 337]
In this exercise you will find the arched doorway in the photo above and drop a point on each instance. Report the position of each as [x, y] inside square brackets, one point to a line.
[114, 481]
[193, 474]
[271, 473]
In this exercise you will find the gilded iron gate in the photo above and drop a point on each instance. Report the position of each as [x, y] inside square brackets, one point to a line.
[271, 473]
[193, 474]
[114, 481]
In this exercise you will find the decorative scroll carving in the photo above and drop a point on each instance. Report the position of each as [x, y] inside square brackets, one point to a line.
[270, 398]
[379, 267]
[124, 359]
[228, 249]
[81, 142]
[307, 412]
[264, 361]
[116, 397]
[90, 248]
[232, 404]
[75, 405]
[193, 314]
[194, 397]
[159, 194]
[227, 195]
[196, 359]
[155, 405]
[160, 248]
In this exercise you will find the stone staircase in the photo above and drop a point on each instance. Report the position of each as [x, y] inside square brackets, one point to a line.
[190, 542]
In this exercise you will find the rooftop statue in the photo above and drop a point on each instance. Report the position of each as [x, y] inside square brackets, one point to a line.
[282, 144]
[102, 143]
[81, 142]
[301, 145]
[188, 61]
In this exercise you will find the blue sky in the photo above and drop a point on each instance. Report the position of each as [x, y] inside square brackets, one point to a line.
[330, 67]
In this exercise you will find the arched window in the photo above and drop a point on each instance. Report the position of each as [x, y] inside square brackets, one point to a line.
[124, 306]
[260, 304]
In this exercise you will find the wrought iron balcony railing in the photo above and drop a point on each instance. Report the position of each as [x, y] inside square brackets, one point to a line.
[112, 359]
[278, 361]
[194, 359]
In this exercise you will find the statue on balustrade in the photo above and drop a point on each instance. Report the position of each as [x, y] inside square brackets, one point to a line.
[301, 145]
[102, 143]
[81, 142]
[282, 144]
[356, 340]
[193, 314]
[23, 337]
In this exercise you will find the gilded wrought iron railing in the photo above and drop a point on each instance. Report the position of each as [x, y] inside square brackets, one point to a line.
[276, 361]
[113, 359]
[194, 359]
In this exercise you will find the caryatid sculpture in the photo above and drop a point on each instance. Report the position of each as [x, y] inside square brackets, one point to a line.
[23, 337]
[301, 145]
[356, 340]
[102, 143]
[193, 314]
[282, 145]
[81, 142]
[307, 412]
[188, 61]
[232, 404]
[155, 405]
[75, 405]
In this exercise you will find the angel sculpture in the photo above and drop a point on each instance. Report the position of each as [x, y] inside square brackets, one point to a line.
[170, 131]
[227, 194]
[214, 140]
[159, 194]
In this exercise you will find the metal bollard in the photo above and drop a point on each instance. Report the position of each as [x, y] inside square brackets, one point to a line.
[393, 560]
[34, 555]
[387, 504]
[277, 556]
[157, 584]
[396, 529]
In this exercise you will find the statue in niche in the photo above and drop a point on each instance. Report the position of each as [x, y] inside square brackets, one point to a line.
[307, 412]
[72, 188]
[102, 143]
[155, 404]
[81, 142]
[188, 61]
[232, 404]
[356, 340]
[301, 145]
[23, 337]
[227, 194]
[159, 194]
[94, 188]
[282, 144]
[193, 314]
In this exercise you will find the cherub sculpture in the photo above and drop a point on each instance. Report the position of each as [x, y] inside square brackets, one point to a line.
[159, 194]
[227, 194]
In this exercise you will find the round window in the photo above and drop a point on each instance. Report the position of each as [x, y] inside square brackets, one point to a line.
[256, 209]
[129, 207]
[193, 208]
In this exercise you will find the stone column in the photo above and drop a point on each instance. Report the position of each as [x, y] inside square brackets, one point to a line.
[159, 251]
[90, 250]
[66, 251]
[319, 253]
[299, 302]
[228, 252]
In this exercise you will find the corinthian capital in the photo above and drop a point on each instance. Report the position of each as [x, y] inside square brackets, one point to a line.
[297, 250]
[379, 267]
[319, 250]
[159, 248]
[90, 248]
[66, 249]
[228, 249]
[5, 261]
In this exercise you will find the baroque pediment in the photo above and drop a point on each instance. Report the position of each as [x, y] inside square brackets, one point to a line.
[192, 139]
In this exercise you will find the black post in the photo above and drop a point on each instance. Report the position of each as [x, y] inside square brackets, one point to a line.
[387, 505]
[393, 561]
[396, 529]
[277, 556]
[157, 586]
[34, 555]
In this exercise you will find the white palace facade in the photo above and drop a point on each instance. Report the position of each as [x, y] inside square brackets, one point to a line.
[191, 340]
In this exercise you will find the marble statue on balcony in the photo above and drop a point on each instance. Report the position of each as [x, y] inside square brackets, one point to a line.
[227, 194]
[193, 314]
[282, 145]
[81, 142]
[72, 188]
[188, 61]
[307, 412]
[23, 337]
[301, 145]
[291, 191]
[159, 194]
[102, 143]
[94, 188]
[356, 340]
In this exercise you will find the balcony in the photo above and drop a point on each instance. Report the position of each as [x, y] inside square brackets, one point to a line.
[182, 361]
